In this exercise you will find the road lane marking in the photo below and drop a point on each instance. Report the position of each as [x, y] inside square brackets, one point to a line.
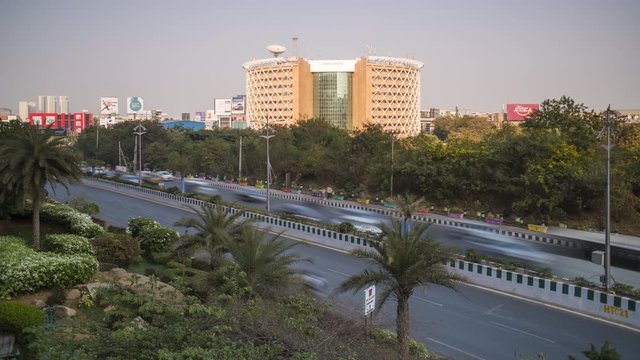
[523, 332]
[428, 301]
[455, 348]
[339, 272]
[556, 307]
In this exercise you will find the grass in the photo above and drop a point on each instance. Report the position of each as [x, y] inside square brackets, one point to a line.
[140, 268]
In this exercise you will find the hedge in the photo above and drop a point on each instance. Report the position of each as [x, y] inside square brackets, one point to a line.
[67, 244]
[23, 270]
[73, 220]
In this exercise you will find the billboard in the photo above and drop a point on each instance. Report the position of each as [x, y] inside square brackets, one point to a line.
[520, 112]
[108, 105]
[222, 106]
[237, 118]
[198, 116]
[135, 105]
[211, 115]
[237, 104]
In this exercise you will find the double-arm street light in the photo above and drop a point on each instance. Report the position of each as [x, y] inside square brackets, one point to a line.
[267, 136]
[139, 130]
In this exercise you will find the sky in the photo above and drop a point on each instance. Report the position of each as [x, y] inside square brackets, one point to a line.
[180, 55]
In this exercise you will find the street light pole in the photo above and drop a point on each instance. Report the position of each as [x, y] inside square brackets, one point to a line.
[607, 237]
[391, 190]
[139, 130]
[268, 166]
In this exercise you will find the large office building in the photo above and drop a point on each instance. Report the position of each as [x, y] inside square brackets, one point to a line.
[347, 93]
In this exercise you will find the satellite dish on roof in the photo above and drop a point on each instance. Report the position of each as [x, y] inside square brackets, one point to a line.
[276, 50]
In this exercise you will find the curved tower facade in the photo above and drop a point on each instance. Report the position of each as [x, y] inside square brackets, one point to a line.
[347, 93]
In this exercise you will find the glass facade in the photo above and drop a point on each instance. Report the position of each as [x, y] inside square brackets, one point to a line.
[332, 97]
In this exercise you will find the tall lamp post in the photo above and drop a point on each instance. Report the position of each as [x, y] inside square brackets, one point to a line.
[139, 130]
[267, 136]
[391, 190]
[607, 236]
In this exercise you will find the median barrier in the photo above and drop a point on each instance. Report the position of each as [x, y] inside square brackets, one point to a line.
[591, 301]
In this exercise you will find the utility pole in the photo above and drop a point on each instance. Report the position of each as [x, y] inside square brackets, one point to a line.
[139, 130]
[240, 160]
[391, 192]
[607, 236]
[267, 136]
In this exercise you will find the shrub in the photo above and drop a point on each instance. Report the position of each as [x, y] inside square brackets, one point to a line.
[625, 290]
[86, 207]
[472, 255]
[23, 270]
[346, 228]
[138, 223]
[154, 239]
[161, 258]
[68, 244]
[73, 220]
[390, 338]
[119, 249]
[16, 316]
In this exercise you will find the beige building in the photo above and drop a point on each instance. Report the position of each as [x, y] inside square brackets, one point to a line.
[346, 93]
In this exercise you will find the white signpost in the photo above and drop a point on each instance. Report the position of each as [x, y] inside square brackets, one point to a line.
[369, 300]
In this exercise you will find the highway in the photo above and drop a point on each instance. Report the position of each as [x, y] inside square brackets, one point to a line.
[472, 323]
[564, 262]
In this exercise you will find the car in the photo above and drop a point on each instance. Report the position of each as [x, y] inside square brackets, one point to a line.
[165, 175]
[130, 178]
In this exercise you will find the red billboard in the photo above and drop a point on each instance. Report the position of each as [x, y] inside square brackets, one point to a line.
[520, 112]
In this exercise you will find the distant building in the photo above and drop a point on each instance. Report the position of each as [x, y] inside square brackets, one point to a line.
[631, 115]
[64, 104]
[186, 116]
[187, 124]
[25, 108]
[5, 111]
[51, 104]
[67, 123]
[347, 93]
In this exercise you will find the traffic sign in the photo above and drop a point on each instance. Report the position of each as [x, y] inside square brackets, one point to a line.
[369, 300]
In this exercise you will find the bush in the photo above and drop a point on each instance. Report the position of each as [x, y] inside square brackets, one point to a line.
[73, 220]
[23, 270]
[16, 316]
[346, 228]
[472, 255]
[138, 223]
[161, 258]
[154, 239]
[119, 249]
[68, 244]
[86, 207]
[390, 338]
[625, 290]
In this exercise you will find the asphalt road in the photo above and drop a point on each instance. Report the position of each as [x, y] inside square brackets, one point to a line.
[564, 262]
[471, 323]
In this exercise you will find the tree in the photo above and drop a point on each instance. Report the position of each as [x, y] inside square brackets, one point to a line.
[407, 204]
[267, 263]
[31, 157]
[605, 353]
[403, 261]
[215, 226]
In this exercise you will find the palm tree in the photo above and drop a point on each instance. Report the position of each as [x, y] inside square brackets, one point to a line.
[408, 204]
[267, 263]
[404, 260]
[30, 156]
[605, 353]
[215, 226]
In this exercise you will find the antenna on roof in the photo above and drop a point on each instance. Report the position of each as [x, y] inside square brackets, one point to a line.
[276, 50]
[295, 46]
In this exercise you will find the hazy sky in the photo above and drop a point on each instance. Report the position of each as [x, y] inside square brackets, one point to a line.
[180, 55]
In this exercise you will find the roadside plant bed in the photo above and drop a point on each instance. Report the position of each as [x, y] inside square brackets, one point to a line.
[73, 220]
[23, 270]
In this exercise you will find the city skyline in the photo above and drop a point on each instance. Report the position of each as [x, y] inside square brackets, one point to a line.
[477, 55]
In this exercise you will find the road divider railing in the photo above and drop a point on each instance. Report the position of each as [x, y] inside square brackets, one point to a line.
[320, 235]
[619, 309]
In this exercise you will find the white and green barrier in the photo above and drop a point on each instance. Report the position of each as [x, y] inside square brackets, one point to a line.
[586, 300]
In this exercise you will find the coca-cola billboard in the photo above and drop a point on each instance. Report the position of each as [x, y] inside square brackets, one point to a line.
[520, 112]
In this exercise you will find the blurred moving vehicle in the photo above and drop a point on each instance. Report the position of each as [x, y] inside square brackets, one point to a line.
[314, 282]
[130, 178]
[152, 178]
[165, 175]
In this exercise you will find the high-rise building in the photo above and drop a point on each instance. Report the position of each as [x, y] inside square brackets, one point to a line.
[347, 93]
[51, 104]
[25, 108]
[42, 103]
[64, 104]
[186, 116]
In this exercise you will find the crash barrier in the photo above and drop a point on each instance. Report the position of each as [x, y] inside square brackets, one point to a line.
[591, 301]
[326, 236]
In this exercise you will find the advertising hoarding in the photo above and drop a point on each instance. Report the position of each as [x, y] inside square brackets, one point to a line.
[199, 116]
[211, 115]
[237, 118]
[237, 104]
[222, 106]
[520, 112]
[108, 105]
[135, 105]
